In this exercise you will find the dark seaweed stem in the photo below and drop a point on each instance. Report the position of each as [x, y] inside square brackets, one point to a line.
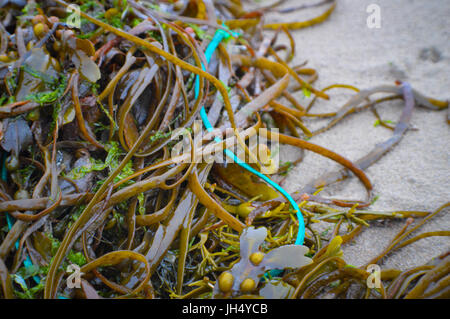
[90, 176]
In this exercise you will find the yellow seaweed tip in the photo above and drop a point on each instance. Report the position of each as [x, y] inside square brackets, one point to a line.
[256, 258]
[226, 281]
[247, 285]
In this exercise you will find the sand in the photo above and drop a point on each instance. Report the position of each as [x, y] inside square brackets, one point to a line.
[412, 44]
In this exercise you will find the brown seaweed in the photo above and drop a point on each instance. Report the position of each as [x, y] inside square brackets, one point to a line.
[90, 180]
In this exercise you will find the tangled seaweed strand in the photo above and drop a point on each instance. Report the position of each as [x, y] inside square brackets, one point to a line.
[89, 176]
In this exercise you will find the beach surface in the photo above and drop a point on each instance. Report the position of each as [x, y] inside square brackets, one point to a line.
[412, 44]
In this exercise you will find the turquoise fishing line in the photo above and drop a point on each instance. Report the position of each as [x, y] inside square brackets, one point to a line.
[219, 36]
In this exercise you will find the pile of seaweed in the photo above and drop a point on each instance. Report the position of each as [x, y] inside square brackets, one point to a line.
[91, 94]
